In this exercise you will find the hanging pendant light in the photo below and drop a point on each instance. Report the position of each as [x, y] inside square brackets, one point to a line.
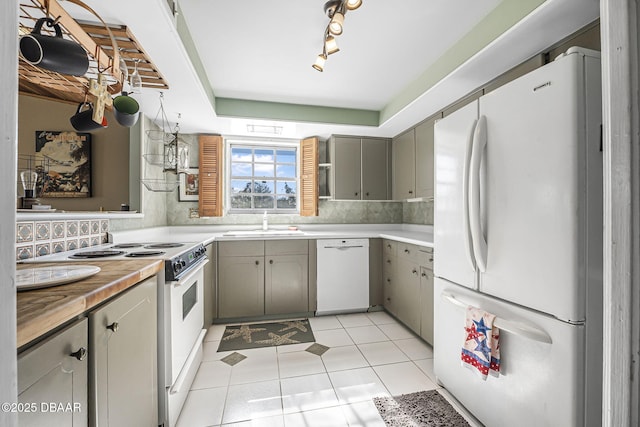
[335, 10]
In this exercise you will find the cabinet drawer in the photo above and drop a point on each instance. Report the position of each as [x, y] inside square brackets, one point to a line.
[286, 247]
[243, 248]
[390, 247]
[419, 254]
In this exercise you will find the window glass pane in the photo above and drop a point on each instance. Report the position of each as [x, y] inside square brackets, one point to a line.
[286, 202]
[240, 186]
[286, 156]
[286, 171]
[263, 202]
[265, 169]
[263, 187]
[286, 187]
[263, 155]
[241, 169]
[241, 154]
[241, 201]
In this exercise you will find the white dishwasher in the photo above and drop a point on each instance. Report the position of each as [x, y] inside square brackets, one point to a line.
[343, 275]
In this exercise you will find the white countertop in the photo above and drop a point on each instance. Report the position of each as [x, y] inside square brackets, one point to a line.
[63, 215]
[421, 235]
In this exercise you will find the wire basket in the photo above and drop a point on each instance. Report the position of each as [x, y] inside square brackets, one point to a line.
[154, 159]
[159, 185]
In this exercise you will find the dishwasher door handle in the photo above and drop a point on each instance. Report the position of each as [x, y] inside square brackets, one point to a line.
[342, 248]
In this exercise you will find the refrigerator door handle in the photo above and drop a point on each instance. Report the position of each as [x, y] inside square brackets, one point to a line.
[466, 227]
[480, 248]
[517, 328]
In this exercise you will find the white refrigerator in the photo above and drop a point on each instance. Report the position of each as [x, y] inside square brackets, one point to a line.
[518, 233]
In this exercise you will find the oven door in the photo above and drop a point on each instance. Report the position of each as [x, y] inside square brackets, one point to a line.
[184, 319]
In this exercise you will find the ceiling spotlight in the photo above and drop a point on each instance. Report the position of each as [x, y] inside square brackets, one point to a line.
[335, 26]
[335, 10]
[320, 60]
[330, 45]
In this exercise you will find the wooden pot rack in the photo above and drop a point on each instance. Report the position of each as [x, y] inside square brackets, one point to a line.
[97, 41]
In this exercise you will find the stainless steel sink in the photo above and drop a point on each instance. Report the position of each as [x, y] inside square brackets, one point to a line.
[263, 233]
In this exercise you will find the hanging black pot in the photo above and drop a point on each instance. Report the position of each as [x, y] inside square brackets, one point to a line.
[53, 53]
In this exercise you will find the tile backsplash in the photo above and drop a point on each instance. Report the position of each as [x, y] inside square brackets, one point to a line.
[39, 238]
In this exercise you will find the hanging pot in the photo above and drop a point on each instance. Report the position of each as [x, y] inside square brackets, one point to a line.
[53, 53]
[126, 110]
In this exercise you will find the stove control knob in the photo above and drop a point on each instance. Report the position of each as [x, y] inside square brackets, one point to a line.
[183, 263]
[176, 266]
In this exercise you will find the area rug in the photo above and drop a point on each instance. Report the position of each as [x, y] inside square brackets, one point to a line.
[421, 409]
[255, 335]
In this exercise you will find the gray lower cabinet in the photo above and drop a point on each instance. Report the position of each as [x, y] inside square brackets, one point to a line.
[240, 286]
[123, 359]
[426, 304]
[52, 380]
[263, 277]
[285, 287]
[210, 285]
[408, 286]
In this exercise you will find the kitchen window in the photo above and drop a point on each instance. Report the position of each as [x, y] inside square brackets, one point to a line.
[262, 177]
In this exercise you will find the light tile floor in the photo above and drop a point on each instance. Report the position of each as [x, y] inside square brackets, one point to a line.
[369, 355]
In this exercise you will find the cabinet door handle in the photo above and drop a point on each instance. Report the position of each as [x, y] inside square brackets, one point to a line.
[388, 280]
[81, 354]
[388, 261]
[270, 261]
[257, 262]
[430, 259]
[414, 271]
[406, 251]
[424, 274]
[410, 191]
[366, 194]
[114, 326]
[389, 245]
[356, 193]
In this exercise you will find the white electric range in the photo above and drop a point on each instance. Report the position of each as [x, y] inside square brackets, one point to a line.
[180, 311]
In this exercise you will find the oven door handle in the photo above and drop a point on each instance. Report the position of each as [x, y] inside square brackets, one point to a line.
[195, 269]
[182, 377]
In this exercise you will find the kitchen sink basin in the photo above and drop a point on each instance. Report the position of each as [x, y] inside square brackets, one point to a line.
[263, 233]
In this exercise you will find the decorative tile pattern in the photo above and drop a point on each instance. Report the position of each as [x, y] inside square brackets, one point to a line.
[72, 228]
[72, 244]
[58, 246]
[24, 252]
[85, 228]
[24, 232]
[43, 230]
[57, 230]
[43, 249]
[46, 237]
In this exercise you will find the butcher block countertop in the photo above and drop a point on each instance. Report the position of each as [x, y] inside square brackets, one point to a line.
[42, 310]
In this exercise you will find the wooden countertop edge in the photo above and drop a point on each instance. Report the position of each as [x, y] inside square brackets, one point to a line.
[41, 311]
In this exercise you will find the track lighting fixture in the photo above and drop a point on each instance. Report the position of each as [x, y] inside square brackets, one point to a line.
[335, 10]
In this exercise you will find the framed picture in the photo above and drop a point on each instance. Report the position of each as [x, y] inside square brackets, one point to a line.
[67, 160]
[189, 186]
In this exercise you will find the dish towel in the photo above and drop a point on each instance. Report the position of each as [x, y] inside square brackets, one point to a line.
[481, 348]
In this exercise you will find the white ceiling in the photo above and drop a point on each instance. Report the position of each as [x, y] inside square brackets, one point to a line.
[260, 50]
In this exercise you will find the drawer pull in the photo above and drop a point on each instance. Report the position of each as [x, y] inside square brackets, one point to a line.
[424, 274]
[406, 251]
[414, 271]
[114, 326]
[430, 259]
[270, 261]
[81, 354]
[388, 261]
[257, 262]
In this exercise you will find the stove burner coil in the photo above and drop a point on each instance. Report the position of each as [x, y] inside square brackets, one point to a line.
[126, 245]
[95, 254]
[163, 245]
[142, 254]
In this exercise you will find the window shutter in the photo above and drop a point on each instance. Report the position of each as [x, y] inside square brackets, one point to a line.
[210, 196]
[309, 177]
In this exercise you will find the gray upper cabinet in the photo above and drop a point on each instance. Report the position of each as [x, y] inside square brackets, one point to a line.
[413, 162]
[55, 371]
[360, 168]
[404, 166]
[123, 359]
[375, 169]
[347, 172]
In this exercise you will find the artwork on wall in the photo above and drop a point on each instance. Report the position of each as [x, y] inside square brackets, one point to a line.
[189, 186]
[68, 156]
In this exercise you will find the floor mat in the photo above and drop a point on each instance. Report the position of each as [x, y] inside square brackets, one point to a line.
[255, 335]
[421, 409]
